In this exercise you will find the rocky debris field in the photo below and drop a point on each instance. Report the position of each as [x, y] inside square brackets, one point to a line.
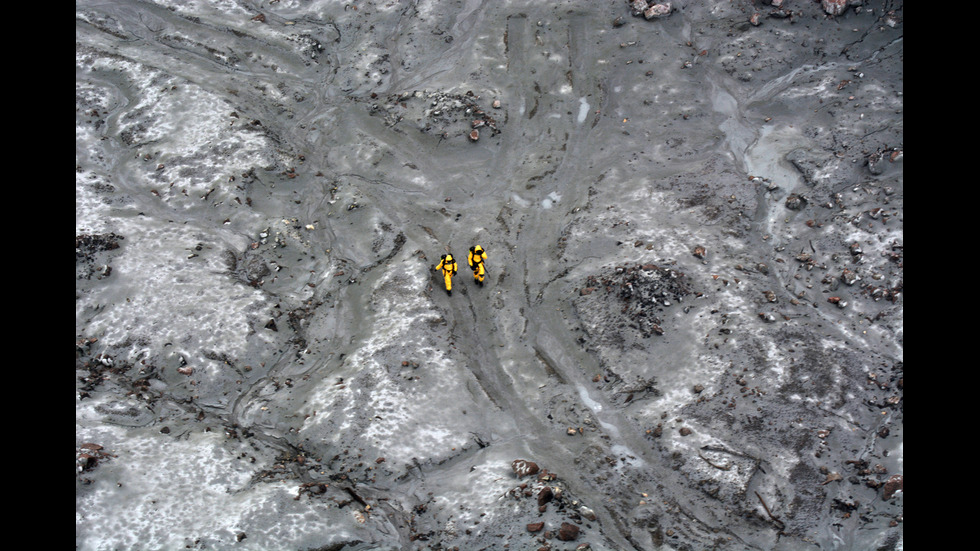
[441, 114]
[691, 334]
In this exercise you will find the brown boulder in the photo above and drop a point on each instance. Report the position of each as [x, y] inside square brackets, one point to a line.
[524, 468]
[567, 532]
[545, 495]
[895, 484]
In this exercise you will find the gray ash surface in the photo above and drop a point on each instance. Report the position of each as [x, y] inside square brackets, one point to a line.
[692, 323]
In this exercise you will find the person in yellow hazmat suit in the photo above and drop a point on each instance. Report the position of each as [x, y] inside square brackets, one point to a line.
[447, 264]
[475, 259]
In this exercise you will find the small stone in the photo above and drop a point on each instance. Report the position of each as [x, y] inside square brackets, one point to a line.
[567, 532]
[86, 461]
[849, 276]
[474, 135]
[795, 202]
[657, 11]
[832, 477]
[545, 495]
[834, 7]
[535, 527]
[894, 485]
[524, 468]
[685, 431]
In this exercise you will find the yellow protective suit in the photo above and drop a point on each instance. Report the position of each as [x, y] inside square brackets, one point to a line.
[475, 259]
[447, 264]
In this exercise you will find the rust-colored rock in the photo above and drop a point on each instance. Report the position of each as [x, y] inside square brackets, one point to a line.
[86, 461]
[567, 532]
[545, 495]
[895, 484]
[524, 468]
[535, 527]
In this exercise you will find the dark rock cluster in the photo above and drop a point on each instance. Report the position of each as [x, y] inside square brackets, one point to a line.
[650, 9]
[567, 515]
[641, 291]
[441, 114]
[90, 252]
[89, 455]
